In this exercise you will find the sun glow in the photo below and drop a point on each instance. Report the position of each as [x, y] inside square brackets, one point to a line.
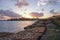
[25, 14]
[28, 16]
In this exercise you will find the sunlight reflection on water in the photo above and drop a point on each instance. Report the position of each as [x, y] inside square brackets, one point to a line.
[14, 26]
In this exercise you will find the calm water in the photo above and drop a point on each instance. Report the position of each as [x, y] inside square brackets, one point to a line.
[14, 26]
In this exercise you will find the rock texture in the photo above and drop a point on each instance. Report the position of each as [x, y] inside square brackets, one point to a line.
[31, 32]
[40, 30]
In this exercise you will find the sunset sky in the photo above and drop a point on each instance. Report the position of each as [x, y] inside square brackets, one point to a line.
[19, 6]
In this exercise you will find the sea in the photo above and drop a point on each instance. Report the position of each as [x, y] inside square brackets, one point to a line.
[14, 26]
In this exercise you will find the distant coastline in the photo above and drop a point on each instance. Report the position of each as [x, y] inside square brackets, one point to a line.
[32, 19]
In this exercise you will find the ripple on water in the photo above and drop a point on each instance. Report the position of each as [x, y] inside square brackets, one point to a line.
[14, 26]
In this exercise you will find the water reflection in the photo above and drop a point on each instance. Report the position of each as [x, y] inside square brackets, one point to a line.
[14, 26]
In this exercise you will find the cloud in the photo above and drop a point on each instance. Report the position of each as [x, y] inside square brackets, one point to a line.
[35, 14]
[42, 2]
[45, 2]
[54, 12]
[21, 3]
[58, 0]
[7, 13]
[52, 2]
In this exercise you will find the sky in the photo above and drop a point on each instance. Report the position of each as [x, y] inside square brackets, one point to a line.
[22, 6]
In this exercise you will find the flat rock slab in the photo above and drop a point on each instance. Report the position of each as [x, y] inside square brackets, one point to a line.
[28, 34]
[33, 33]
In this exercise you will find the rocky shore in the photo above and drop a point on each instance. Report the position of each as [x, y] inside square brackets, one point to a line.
[42, 29]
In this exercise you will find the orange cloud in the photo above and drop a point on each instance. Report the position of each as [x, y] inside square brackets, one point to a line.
[36, 15]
